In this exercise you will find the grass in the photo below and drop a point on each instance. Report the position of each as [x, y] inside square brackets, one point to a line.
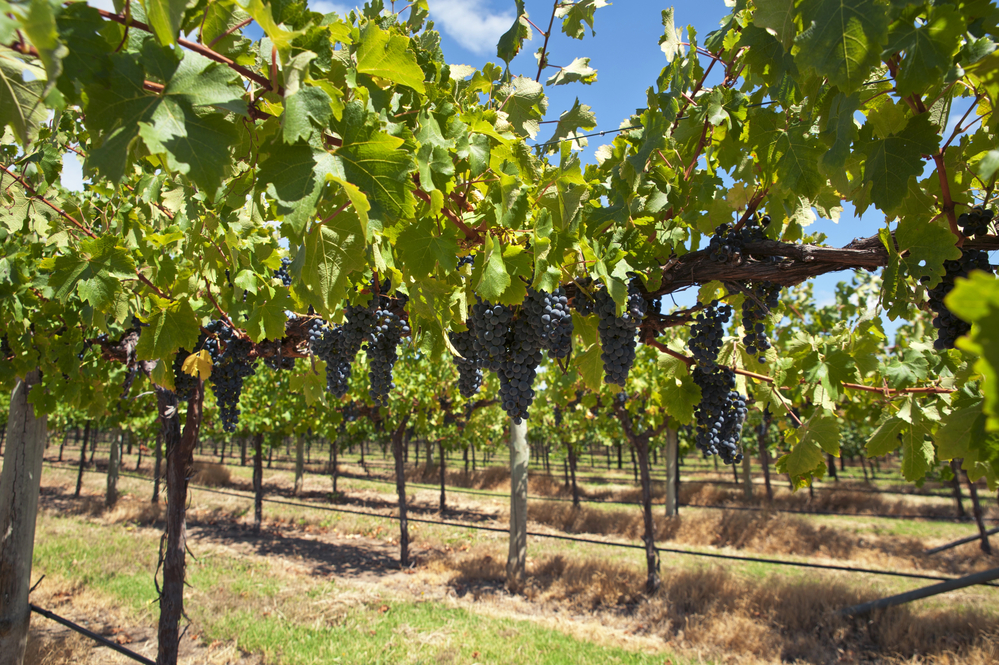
[291, 619]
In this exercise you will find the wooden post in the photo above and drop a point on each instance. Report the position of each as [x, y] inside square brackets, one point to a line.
[400, 488]
[158, 466]
[242, 451]
[976, 509]
[955, 467]
[573, 463]
[761, 438]
[747, 477]
[334, 453]
[672, 473]
[299, 464]
[440, 443]
[179, 457]
[83, 460]
[114, 461]
[258, 480]
[516, 562]
[831, 462]
[20, 482]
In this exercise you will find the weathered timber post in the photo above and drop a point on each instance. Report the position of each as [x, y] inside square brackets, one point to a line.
[20, 481]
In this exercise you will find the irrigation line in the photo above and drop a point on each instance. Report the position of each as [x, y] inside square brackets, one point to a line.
[536, 497]
[100, 639]
[576, 539]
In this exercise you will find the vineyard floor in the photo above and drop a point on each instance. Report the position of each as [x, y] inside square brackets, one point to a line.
[316, 580]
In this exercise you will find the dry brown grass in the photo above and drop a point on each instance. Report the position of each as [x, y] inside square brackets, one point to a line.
[771, 533]
[211, 474]
[716, 614]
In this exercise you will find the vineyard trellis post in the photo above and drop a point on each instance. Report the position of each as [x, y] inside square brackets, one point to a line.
[398, 434]
[299, 463]
[258, 480]
[520, 456]
[179, 456]
[114, 462]
[20, 482]
[672, 472]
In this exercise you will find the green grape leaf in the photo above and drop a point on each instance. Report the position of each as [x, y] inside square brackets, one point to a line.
[918, 455]
[907, 371]
[95, 272]
[40, 27]
[575, 14]
[165, 17]
[172, 327]
[524, 104]
[842, 40]
[777, 17]
[279, 35]
[420, 249]
[818, 434]
[333, 251]
[892, 160]
[885, 438]
[577, 71]
[928, 245]
[961, 428]
[928, 47]
[976, 300]
[495, 278]
[512, 40]
[679, 395]
[580, 116]
[21, 104]
[670, 43]
[388, 56]
[378, 165]
[267, 319]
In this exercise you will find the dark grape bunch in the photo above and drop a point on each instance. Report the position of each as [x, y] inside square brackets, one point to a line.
[280, 362]
[230, 365]
[618, 333]
[182, 381]
[722, 409]
[465, 261]
[727, 245]
[469, 368]
[491, 324]
[948, 326]
[551, 320]
[337, 346]
[383, 340]
[582, 302]
[282, 272]
[754, 314]
[508, 345]
[976, 222]
[519, 368]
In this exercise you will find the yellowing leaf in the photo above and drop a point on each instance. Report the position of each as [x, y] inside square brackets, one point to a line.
[199, 364]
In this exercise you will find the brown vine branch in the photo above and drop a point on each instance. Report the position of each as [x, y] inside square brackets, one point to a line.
[231, 30]
[201, 50]
[543, 60]
[62, 213]
[470, 234]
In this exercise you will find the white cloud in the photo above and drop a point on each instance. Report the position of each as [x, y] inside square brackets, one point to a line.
[325, 7]
[471, 23]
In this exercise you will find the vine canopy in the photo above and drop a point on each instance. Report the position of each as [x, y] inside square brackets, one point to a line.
[349, 145]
